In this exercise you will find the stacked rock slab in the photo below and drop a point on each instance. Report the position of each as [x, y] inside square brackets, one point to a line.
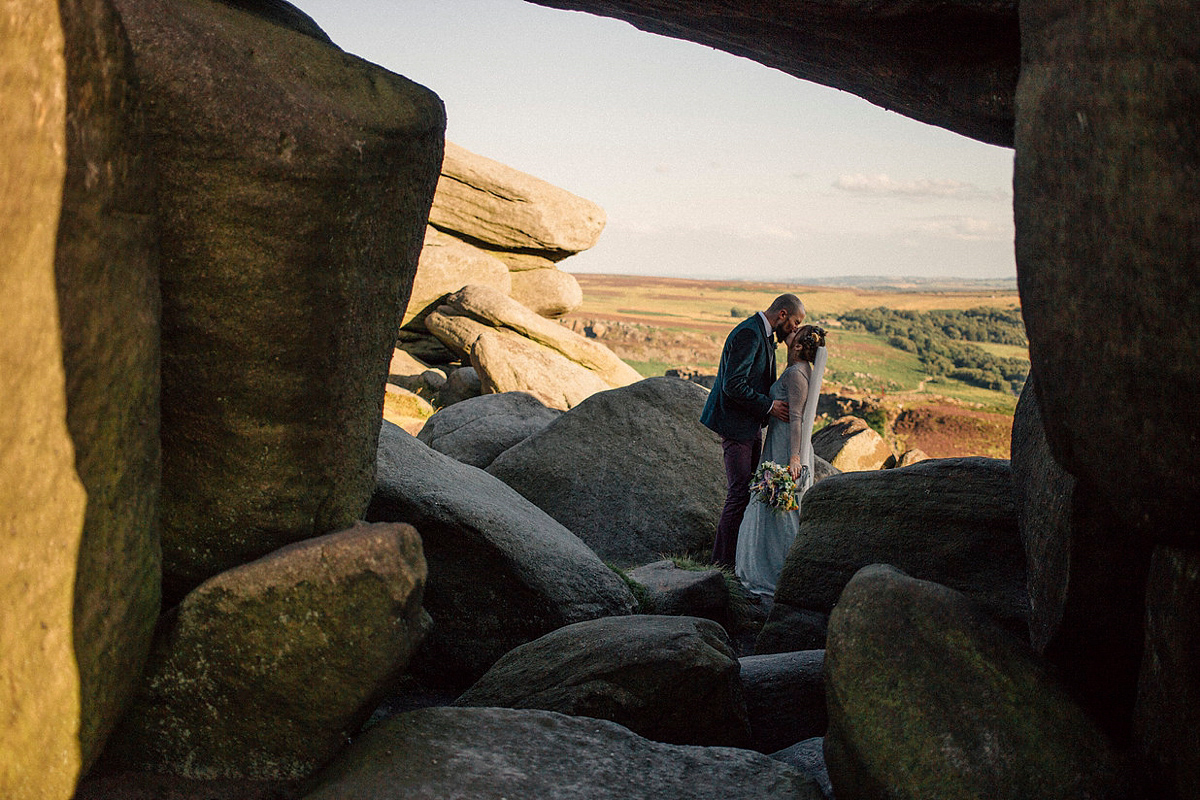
[489, 219]
[294, 188]
[1107, 206]
[107, 275]
[41, 499]
[1087, 577]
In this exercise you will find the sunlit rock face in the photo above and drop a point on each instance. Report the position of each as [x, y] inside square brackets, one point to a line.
[949, 64]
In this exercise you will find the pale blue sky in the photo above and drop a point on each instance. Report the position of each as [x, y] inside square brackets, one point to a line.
[707, 165]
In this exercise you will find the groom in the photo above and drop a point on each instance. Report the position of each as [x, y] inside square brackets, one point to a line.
[739, 404]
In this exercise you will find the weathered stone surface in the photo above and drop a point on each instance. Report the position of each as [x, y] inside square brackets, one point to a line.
[447, 264]
[1086, 577]
[1107, 204]
[456, 331]
[519, 261]
[497, 752]
[789, 629]
[684, 592]
[461, 384]
[501, 572]
[511, 363]
[264, 670]
[106, 265]
[547, 292]
[107, 278]
[294, 186]
[947, 520]
[406, 409]
[808, 757]
[476, 430]
[785, 698]
[948, 64]
[670, 679]
[911, 456]
[849, 444]
[404, 364]
[928, 698]
[481, 199]
[630, 471]
[1167, 717]
[41, 499]
[504, 312]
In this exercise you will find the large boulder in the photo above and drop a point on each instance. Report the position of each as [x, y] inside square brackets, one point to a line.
[630, 471]
[1107, 204]
[108, 300]
[850, 445]
[446, 265]
[929, 698]
[670, 679]
[264, 671]
[505, 209]
[476, 430]
[42, 502]
[498, 752]
[1086, 577]
[672, 590]
[785, 698]
[502, 312]
[510, 363]
[947, 520]
[1167, 716]
[501, 572]
[405, 409]
[547, 292]
[294, 185]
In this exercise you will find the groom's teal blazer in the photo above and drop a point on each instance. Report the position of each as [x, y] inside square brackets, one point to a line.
[739, 402]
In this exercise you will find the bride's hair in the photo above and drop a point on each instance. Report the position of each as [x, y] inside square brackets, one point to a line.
[808, 339]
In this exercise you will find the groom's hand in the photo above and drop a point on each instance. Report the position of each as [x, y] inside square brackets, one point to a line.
[779, 410]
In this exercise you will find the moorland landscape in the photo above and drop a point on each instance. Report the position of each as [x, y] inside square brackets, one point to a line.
[321, 479]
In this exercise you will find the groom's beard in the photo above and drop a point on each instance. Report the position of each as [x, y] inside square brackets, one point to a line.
[780, 336]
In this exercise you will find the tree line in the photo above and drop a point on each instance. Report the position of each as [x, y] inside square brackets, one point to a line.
[942, 341]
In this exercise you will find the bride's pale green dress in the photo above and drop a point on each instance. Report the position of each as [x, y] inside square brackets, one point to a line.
[766, 534]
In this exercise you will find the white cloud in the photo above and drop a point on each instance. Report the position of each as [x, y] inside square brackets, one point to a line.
[968, 229]
[884, 186]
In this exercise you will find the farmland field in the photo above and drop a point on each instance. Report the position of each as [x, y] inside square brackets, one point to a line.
[657, 324]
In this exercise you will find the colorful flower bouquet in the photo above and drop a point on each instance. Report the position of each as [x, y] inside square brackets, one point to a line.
[774, 487]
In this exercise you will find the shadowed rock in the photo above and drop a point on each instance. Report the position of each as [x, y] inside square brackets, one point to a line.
[948, 520]
[501, 572]
[106, 265]
[480, 752]
[684, 592]
[476, 430]
[808, 757]
[948, 64]
[785, 698]
[1167, 716]
[1086, 577]
[630, 471]
[928, 698]
[670, 679]
[294, 186]
[264, 671]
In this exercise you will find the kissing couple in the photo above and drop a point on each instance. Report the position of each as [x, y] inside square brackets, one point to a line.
[752, 537]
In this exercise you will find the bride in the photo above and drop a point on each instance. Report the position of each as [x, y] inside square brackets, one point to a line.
[766, 534]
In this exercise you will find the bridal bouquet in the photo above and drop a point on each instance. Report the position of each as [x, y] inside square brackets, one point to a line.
[774, 486]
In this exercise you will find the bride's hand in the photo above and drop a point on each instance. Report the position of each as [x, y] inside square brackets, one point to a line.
[795, 466]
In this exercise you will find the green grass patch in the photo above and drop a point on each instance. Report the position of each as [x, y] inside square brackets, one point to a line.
[1004, 350]
[650, 369]
[867, 361]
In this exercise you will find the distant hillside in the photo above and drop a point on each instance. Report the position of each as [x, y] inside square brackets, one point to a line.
[943, 364]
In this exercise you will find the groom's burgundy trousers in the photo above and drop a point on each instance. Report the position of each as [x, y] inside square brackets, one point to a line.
[740, 460]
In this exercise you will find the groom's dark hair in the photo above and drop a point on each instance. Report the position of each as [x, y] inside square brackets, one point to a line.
[786, 301]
